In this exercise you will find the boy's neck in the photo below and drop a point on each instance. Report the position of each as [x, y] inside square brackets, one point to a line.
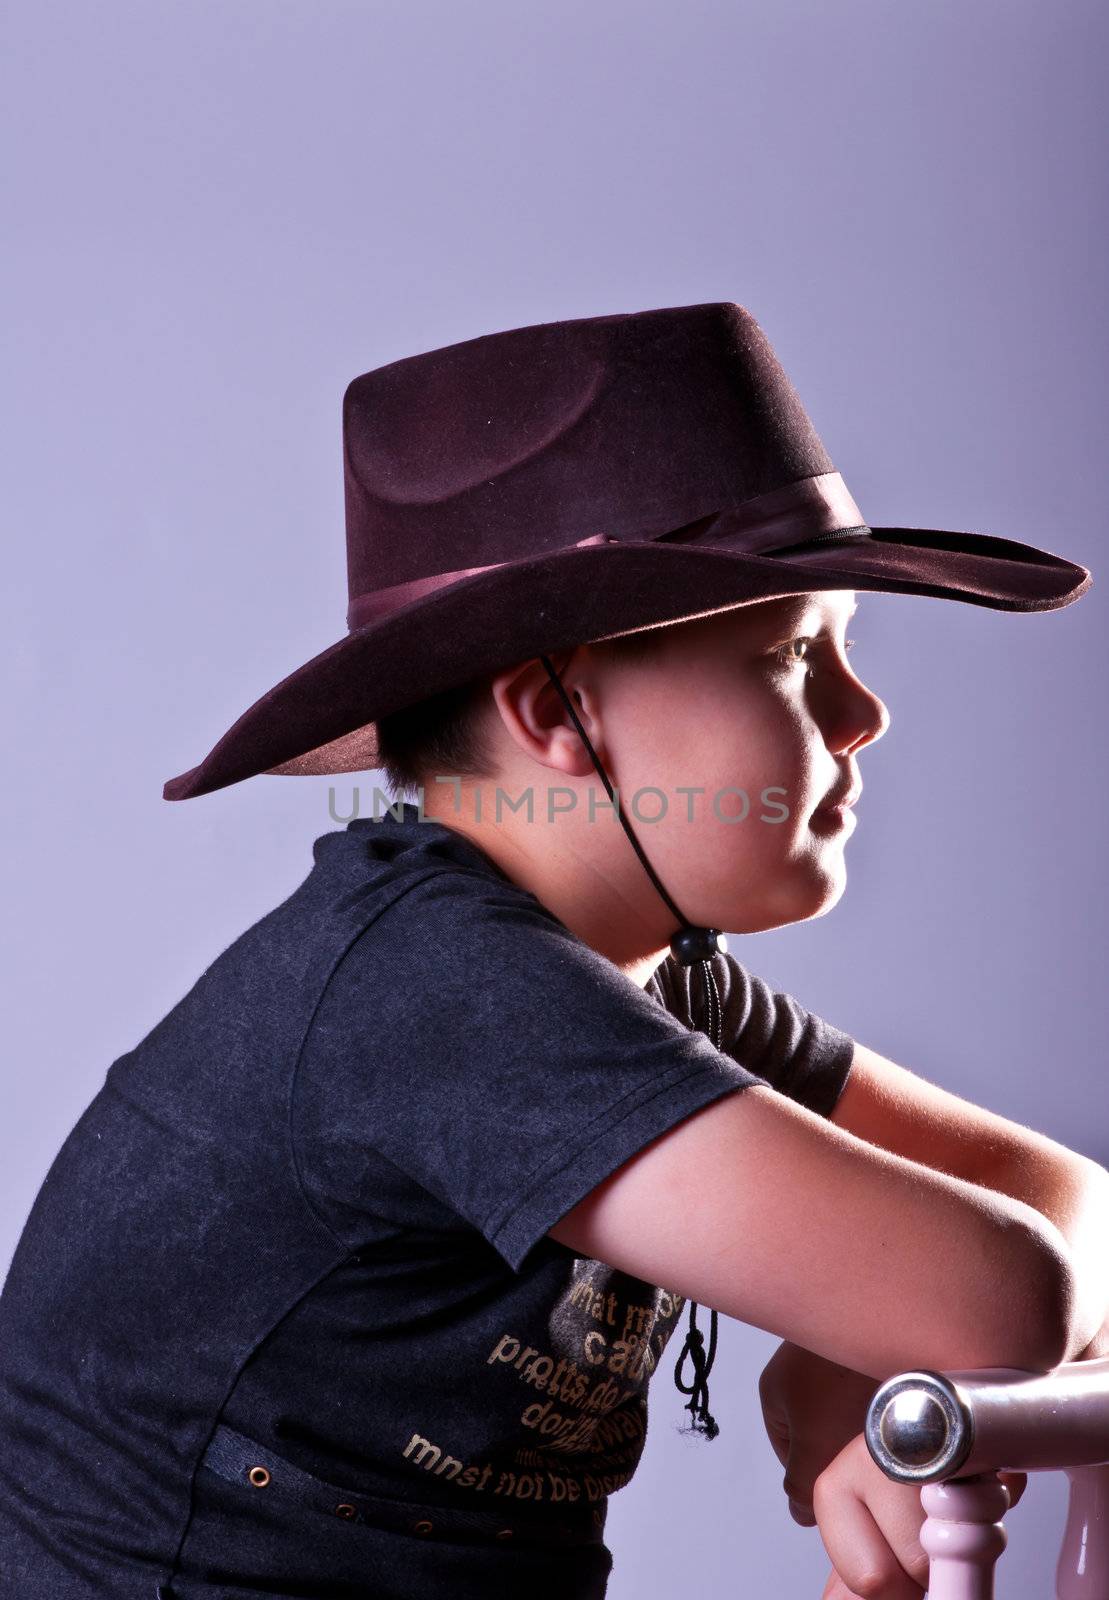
[585, 893]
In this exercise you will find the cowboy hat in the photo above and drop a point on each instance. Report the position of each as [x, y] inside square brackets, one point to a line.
[554, 485]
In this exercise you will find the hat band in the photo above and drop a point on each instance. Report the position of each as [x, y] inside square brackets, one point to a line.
[810, 508]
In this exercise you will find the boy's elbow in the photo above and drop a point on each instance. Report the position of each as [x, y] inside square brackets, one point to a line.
[1016, 1306]
[1040, 1314]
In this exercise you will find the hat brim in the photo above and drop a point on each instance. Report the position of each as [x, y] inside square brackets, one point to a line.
[321, 719]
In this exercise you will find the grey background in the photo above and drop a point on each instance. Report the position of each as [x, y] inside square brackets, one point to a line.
[219, 212]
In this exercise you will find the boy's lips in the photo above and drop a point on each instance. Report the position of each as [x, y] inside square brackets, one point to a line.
[843, 801]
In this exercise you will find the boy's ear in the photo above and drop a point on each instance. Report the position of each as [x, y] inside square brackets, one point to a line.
[535, 716]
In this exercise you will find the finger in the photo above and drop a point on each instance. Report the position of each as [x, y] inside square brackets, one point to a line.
[836, 1589]
[797, 1493]
[778, 1434]
[777, 1430]
[1016, 1483]
[804, 1466]
[870, 1559]
[802, 1513]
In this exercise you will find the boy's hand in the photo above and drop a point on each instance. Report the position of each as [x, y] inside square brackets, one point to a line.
[815, 1411]
[811, 1408]
[870, 1527]
[1098, 1345]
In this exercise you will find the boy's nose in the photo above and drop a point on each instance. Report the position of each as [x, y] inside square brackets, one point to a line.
[881, 717]
[861, 717]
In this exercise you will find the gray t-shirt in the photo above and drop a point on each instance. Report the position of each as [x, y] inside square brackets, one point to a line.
[313, 1203]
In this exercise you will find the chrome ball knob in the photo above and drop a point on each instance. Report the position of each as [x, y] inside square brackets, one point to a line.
[914, 1428]
[919, 1427]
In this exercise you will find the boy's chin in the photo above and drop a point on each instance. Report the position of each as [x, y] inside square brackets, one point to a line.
[765, 894]
[831, 891]
[809, 894]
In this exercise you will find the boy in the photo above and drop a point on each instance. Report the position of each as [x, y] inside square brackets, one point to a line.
[348, 1282]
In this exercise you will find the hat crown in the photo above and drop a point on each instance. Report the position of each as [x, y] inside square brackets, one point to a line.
[518, 443]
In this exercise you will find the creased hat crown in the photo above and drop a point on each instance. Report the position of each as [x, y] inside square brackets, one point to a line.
[522, 442]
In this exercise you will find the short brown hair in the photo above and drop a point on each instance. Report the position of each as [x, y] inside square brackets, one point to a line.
[447, 734]
[443, 735]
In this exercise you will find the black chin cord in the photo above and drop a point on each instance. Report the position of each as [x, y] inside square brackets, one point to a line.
[690, 945]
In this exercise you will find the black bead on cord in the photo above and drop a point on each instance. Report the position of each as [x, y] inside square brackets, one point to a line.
[690, 946]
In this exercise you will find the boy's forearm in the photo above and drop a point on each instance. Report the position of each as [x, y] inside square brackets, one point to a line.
[1072, 1192]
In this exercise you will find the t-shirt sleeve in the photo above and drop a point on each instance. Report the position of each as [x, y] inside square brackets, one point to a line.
[507, 1068]
[766, 1030]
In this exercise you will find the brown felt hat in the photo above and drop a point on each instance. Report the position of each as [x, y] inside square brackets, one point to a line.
[545, 487]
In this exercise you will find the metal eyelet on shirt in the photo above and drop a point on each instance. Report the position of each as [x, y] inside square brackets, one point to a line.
[423, 1527]
[345, 1510]
[259, 1476]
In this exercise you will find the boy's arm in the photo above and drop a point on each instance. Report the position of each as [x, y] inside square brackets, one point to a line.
[811, 1407]
[894, 1109]
[761, 1208]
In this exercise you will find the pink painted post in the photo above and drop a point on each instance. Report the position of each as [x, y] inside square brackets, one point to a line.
[1083, 1569]
[952, 1432]
[962, 1535]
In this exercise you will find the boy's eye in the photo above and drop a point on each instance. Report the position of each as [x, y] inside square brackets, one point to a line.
[786, 653]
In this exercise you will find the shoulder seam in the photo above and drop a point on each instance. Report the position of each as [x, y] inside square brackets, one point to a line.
[294, 1078]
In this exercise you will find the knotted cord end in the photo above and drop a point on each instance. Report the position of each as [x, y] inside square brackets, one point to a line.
[703, 1421]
